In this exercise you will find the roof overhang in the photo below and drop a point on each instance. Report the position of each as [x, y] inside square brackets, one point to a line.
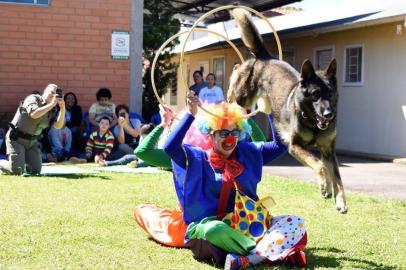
[312, 23]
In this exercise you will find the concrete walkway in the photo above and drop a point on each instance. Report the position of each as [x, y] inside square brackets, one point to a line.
[378, 178]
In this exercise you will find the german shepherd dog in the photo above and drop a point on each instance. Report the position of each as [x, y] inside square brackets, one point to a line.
[303, 105]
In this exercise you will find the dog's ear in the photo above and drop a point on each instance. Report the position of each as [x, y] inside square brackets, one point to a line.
[331, 70]
[307, 71]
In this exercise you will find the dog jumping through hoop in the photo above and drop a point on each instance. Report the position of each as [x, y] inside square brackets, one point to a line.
[303, 105]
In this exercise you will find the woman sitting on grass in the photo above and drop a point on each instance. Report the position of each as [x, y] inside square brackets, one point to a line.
[127, 132]
[211, 186]
[217, 190]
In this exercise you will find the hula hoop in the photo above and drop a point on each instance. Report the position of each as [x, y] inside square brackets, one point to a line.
[170, 40]
[204, 16]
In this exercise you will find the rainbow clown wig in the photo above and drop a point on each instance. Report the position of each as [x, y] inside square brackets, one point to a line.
[230, 113]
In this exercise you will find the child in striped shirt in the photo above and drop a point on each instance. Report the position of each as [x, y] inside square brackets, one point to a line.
[100, 142]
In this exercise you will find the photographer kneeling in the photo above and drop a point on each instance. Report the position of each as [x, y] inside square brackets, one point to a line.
[35, 114]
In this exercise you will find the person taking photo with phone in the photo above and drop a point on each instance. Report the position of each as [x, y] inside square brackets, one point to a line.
[35, 113]
[128, 130]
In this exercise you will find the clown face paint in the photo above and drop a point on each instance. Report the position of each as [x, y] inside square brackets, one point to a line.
[225, 146]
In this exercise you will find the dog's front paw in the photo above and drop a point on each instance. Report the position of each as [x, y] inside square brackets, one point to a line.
[326, 195]
[342, 209]
[341, 206]
[324, 183]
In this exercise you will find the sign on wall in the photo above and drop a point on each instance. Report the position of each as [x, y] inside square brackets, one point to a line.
[120, 45]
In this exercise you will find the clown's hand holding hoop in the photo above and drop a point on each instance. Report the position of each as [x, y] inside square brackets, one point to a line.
[192, 102]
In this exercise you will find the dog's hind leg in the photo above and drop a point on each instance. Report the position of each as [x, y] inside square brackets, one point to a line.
[329, 158]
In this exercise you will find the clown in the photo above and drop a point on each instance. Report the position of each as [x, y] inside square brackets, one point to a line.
[208, 183]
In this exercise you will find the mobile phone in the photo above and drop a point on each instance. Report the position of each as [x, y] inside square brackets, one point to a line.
[122, 114]
[58, 92]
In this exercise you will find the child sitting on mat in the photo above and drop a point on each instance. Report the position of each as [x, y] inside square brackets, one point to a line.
[100, 142]
[131, 160]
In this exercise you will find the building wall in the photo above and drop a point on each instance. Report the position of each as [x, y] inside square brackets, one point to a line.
[67, 43]
[370, 117]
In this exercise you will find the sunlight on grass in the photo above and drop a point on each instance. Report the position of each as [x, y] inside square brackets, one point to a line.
[87, 222]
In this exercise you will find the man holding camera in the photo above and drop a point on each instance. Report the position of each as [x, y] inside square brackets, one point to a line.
[35, 113]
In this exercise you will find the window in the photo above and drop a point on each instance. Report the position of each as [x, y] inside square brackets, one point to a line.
[218, 70]
[204, 68]
[29, 2]
[353, 65]
[323, 57]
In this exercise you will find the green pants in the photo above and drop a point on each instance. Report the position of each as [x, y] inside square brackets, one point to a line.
[221, 235]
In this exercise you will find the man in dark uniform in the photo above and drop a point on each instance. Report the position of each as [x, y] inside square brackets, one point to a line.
[36, 113]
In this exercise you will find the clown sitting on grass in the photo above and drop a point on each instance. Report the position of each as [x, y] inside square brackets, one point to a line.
[217, 192]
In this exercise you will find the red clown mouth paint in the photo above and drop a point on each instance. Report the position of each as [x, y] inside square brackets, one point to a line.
[229, 143]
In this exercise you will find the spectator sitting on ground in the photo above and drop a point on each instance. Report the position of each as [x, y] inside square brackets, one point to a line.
[73, 117]
[100, 142]
[103, 107]
[212, 93]
[127, 132]
[130, 159]
[60, 141]
[199, 82]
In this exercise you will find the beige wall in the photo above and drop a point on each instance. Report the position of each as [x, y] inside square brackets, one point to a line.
[370, 117]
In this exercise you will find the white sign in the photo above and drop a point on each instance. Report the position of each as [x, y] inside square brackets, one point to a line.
[120, 45]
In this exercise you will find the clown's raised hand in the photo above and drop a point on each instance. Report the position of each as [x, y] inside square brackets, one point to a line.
[192, 101]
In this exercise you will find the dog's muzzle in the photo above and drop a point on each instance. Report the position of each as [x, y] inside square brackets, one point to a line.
[323, 122]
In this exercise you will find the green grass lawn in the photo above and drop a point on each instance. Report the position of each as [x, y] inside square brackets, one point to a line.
[87, 222]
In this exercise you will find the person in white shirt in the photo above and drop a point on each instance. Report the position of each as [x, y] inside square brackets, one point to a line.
[211, 93]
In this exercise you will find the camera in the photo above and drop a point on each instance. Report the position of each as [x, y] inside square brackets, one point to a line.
[122, 114]
[59, 92]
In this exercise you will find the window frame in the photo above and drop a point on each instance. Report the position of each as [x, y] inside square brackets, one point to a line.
[360, 83]
[224, 69]
[27, 4]
[323, 48]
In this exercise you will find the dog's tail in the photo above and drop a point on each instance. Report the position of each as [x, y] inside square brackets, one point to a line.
[249, 34]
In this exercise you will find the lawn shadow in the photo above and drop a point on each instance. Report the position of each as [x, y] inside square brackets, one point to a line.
[81, 176]
[334, 261]
[72, 176]
[331, 261]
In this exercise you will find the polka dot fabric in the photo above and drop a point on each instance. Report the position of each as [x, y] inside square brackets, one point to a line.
[282, 237]
[249, 217]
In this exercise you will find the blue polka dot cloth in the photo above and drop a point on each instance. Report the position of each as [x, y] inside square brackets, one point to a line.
[249, 217]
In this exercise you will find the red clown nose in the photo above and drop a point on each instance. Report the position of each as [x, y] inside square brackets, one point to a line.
[230, 139]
